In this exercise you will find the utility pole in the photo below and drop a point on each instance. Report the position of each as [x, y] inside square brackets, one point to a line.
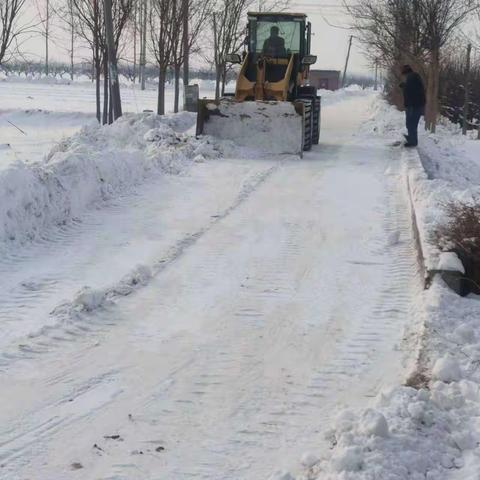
[466, 105]
[186, 43]
[112, 61]
[376, 75]
[344, 79]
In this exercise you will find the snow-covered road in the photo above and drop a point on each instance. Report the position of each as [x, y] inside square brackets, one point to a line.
[280, 292]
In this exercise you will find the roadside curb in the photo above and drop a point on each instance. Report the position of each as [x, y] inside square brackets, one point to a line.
[429, 257]
[415, 173]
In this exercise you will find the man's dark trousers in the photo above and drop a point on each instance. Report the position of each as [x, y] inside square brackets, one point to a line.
[413, 115]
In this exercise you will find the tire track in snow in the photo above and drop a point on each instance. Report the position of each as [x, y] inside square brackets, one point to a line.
[391, 314]
[71, 320]
[357, 354]
[230, 399]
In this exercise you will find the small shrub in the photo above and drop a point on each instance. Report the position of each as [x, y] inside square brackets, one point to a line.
[461, 234]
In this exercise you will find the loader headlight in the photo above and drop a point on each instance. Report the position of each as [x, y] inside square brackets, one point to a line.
[309, 59]
[233, 58]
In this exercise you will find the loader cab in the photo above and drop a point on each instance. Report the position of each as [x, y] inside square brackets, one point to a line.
[291, 29]
[280, 37]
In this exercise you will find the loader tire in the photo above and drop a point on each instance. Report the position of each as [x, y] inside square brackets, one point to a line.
[307, 91]
[316, 122]
[308, 127]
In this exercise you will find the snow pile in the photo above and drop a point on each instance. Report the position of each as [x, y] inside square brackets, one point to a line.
[449, 262]
[424, 432]
[95, 165]
[89, 299]
[267, 126]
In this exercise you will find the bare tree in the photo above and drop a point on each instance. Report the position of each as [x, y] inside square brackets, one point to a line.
[11, 29]
[65, 11]
[185, 42]
[44, 13]
[228, 23]
[440, 19]
[162, 32]
[90, 23]
[410, 31]
[143, 19]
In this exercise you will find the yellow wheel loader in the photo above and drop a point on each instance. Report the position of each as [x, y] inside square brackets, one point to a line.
[273, 107]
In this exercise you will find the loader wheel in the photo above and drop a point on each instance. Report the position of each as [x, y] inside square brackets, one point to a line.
[316, 122]
[307, 139]
[307, 91]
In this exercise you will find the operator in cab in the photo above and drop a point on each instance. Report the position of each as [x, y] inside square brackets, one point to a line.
[274, 46]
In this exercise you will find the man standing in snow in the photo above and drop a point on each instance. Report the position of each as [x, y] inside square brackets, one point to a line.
[414, 99]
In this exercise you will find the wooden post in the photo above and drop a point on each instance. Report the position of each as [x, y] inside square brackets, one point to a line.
[466, 104]
[112, 61]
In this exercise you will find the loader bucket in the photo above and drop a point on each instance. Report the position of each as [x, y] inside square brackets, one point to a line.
[269, 126]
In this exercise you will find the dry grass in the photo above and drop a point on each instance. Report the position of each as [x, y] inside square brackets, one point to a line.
[461, 234]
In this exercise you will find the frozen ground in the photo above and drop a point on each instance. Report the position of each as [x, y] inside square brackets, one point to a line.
[197, 312]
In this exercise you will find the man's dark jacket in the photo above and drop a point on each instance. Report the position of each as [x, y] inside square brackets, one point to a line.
[274, 46]
[414, 91]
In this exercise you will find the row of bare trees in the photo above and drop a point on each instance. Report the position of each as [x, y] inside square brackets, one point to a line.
[417, 32]
[165, 33]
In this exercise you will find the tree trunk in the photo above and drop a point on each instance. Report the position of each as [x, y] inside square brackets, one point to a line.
[135, 7]
[177, 88]
[72, 41]
[143, 47]
[216, 53]
[186, 43]
[466, 103]
[110, 103]
[224, 79]
[111, 52]
[47, 32]
[97, 68]
[161, 92]
[218, 78]
[433, 88]
[97, 94]
[105, 89]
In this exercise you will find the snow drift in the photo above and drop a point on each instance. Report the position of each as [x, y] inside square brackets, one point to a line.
[92, 166]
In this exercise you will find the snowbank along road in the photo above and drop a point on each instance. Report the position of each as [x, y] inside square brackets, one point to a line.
[230, 311]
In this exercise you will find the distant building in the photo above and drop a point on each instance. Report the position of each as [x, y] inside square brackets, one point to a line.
[325, 79]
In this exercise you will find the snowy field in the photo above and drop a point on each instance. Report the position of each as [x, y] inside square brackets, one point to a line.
[49, 112]
[176, 307]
